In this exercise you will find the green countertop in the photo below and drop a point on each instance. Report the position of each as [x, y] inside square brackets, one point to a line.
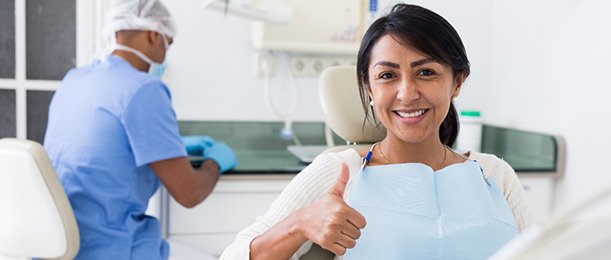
[257, 145]
[260, 150]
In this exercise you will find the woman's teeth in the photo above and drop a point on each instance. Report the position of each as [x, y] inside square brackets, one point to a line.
[412, 114]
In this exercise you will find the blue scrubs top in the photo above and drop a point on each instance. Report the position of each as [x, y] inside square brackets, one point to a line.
[107, 122]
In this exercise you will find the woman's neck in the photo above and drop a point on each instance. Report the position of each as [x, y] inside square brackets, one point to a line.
[430, 152]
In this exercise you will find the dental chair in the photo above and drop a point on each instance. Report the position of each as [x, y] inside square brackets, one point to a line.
[36, 220]
[342, 109]
[343, 113]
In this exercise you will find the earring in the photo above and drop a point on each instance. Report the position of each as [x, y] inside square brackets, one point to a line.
[371, 103]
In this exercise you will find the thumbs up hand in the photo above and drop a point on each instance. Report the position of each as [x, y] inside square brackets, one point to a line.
[330, 222]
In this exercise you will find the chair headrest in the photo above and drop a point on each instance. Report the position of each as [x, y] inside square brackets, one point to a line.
[341, 106]
[40, 221]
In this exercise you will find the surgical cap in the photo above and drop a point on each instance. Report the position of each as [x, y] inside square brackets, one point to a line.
[146, 15]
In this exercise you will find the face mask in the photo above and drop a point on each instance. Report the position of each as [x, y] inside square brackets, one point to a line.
[155, 69]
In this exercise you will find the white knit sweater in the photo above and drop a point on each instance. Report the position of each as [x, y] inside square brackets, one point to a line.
[316, 179]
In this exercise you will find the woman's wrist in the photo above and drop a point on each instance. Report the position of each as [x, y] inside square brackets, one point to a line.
[296, 227]
[281, 241]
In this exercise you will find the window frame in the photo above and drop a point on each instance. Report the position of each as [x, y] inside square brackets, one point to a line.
[89, 18]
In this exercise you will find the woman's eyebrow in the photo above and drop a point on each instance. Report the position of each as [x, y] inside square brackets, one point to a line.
[422, 61]
[387, 64]
[396, 65]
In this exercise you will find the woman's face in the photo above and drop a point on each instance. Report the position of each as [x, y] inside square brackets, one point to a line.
[411, 91]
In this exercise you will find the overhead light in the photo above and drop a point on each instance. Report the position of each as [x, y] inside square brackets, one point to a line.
[271, 11]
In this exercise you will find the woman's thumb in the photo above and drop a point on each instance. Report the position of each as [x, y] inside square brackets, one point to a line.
[342, 179]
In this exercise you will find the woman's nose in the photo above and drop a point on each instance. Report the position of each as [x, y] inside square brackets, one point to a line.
[408, 91]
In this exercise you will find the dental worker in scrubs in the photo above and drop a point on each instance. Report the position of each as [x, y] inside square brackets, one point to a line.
[112, 136]
[410, 196]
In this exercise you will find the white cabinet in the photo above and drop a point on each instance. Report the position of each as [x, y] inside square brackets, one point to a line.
[539, 190]
[235, 203]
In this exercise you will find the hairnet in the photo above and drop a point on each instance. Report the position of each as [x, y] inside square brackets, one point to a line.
[146, 15]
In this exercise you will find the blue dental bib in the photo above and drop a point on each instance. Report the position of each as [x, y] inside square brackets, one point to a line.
[413, 212]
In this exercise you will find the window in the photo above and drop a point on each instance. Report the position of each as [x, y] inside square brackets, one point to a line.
[7, 114]
[38, 45]
[50, 38]
[7, 39]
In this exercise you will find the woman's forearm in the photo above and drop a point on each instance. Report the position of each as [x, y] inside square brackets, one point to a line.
[279, 242]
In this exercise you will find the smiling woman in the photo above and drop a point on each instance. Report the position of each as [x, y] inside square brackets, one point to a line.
[411, 78]
[435, 55]
[411, 94]
[410, 196]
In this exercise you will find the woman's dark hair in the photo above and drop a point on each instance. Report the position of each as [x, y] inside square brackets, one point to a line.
[429, 33]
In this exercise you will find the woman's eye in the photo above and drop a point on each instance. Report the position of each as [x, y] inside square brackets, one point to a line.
[385, 75]
[426, 72]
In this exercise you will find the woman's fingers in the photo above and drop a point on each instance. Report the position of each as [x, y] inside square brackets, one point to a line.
[351, 231]
[340, 238]
[346, 241]
[333, 224]
[336, 249]
[356, 219]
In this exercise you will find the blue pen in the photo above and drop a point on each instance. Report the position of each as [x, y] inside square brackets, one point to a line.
[366, 160]
[367, 157]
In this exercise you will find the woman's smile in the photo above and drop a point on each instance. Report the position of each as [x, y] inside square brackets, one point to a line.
[412, 116]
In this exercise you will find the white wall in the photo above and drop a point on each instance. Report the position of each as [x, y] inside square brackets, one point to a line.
[211, 70]
[536, 65]
[549, 65]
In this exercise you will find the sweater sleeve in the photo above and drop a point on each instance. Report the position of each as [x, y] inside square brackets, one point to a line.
[507, 180]
[307, 186]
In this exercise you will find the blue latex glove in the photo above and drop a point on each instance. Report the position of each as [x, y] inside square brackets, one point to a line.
[197, 144]
[222, 154]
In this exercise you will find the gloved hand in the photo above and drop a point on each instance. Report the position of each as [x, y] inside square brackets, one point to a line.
[197, 144]
[222, 154]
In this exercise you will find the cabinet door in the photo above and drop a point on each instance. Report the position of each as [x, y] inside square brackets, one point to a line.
[539, 195]
[233, 206]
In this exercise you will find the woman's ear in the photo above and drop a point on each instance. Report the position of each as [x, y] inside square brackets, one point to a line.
[457, 86]
[370, 96]
[369, 92]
